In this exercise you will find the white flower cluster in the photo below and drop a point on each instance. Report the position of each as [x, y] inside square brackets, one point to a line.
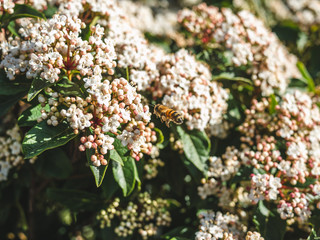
[133, 50]
[219, 170]
[250, 42]
[10, 153]
[7, 6]
[264, 186]
[55, 46]
[79, 8]
[51, 46]
[143, 18]
[304, 12]
[144, 216]
[214, 226]
[185, 85]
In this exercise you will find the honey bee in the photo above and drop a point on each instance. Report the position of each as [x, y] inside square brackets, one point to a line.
[167, 114]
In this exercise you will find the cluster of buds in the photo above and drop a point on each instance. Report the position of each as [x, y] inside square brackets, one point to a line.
[250, 42]
[284, 144]
[264, 186]
[112, 108]
[146, 20]
[144, 216]
[108, 105]
[280, 141]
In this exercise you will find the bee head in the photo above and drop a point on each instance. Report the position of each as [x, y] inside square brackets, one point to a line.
[179, 120]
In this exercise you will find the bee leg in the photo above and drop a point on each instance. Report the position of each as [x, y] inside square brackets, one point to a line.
[168, 123]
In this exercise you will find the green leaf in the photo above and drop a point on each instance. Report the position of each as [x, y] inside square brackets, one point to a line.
[276, 227]
[196, 146]
[243, 174]
[30, 115]
[43, 137]
[38, 84]
[85, 34]
[306, 77]
[313, 235]
[68, 88]
[231, 77]
[109, 185]
[50, 11]
[269, 223]
[6, 102]
[114, 155]
[125, 175]
[178, 233]
[136, 176]
[73, 199]
[24, 10]
[10, 87]
[273, 104]
[98, 172]
[53, 164]
[12, 29]
[121, 150]
[260, 217]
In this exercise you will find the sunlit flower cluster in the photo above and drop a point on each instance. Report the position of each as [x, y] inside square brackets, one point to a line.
[143, 18]
[7, 6]
[285, 145]
[51, 47]
[143, 216]
[249, 41]
[305, 13]
[77, 7]
[106, 106]
[280, 141]
[99, 113]
[185, 85]
[221, 226]
[219, 169]
[178, 79]
[10, 152]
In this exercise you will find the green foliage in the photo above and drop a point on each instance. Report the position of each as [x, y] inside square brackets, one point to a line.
[38, 84]
[126, 175]
[53, 164]
[98, 172]
[68, 88]
[196, 146]
[20, 11]
[43, 137]
[30, 115]
[57, 193]
[269, 223]
[306, 76]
